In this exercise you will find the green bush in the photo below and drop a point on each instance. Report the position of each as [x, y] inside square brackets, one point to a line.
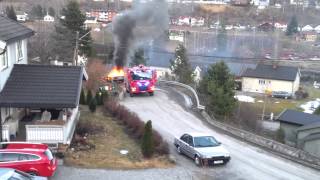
[82, 97]
[93, 105]
[147, 145]
[89, 97]
[99, 98]
[280, 135]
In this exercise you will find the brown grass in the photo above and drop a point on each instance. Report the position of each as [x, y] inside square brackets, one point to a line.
[107, 146]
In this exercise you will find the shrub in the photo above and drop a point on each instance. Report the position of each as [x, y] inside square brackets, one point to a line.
[88, 127]
[147, 145]
[89, 97]
[98, 98]
[93, 105]
[82, 97]
[163, 148]
[280, 135]
[135, 126]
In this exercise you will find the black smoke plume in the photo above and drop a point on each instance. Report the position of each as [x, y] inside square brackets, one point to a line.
[145, 21]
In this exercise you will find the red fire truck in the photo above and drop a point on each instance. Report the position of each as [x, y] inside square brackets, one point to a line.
[140, 79]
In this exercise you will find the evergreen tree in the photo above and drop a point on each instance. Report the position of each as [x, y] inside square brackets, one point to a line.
[292, 27]
[11, 13]
[37, 12]
[317, 111]
[89, 97]
[82, 97]
[74, 21]
[51, 12]
[218, 87]
[65, 35]
[93, 105]
[138, 58]
[147, 145]
[99, 98]
[180, 66]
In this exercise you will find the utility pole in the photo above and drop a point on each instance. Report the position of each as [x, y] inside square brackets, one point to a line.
[0, 126]
[75, 57]
[76, 50]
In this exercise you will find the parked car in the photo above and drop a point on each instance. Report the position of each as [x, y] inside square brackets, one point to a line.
[32, 158]
[281, 94]
[204, 149]
[13, 174]
[316, 85]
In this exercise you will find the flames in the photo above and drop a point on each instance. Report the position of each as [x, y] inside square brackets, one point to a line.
[116, 73]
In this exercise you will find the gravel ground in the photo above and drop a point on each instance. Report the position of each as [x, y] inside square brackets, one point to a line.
[70, 173]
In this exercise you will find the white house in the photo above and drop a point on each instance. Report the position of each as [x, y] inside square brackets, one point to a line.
[197, 74]
[21, 16]
[13, 50]
[269, 78]
[38, 95]
[263, 3]
[317, 29]
[307, 28]
[48, 18]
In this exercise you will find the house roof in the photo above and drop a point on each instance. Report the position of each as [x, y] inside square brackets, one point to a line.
[11, 31]
[42, 86]
[309, 126]
[298, 118]
[285, 73]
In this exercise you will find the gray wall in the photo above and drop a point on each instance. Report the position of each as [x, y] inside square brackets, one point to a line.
[312, 147]
[290, 133]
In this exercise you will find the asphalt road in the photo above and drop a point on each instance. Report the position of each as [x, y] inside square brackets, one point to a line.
[248, 162]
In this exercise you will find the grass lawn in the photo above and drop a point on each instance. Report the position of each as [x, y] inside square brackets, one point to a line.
[107, 146]
[277, 105]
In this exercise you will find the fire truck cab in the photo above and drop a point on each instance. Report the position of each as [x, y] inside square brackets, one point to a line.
[140, 79]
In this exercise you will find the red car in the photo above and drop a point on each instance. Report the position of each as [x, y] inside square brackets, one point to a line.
[32, 158]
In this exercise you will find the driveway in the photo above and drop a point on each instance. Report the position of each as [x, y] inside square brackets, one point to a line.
[171, 119]
[248, 162]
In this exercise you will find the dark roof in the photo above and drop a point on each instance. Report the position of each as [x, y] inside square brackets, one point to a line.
[297, 117]
[309, 126]
[285, 73]
[42, 86]
[11, 31]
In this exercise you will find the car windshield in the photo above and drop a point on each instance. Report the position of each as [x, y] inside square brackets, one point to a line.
[48, 153]
[141, 75]
[205, 141]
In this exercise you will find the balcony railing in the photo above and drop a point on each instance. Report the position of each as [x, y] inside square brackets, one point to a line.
[52, 133]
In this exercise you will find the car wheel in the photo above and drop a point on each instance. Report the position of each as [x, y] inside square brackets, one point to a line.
[197, 160]
[225, 161]
[179, 150]
[131, 94]
[32, 173]
[151, 93]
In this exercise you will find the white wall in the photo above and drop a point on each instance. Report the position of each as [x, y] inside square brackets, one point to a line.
[252, 85]
[12, 59]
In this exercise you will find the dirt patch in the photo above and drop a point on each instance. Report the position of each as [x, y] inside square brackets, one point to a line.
[107, 144]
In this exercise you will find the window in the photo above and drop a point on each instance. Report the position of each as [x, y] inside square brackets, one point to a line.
[7, 157]
[19, 51]
[3, 60]
[262, 82]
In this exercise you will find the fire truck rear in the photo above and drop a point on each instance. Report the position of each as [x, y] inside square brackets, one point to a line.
[140, 79]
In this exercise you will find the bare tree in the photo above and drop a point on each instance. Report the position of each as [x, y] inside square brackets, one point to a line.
[40, 45]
